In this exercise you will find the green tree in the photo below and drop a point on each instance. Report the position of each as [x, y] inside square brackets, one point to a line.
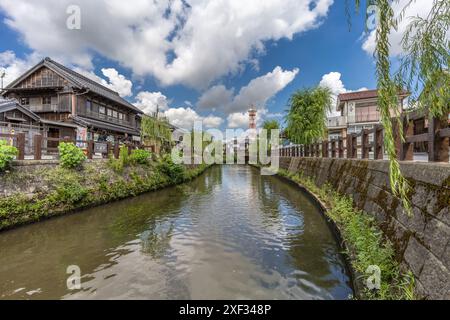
[307, 116]
[424, 71]
[271, 125]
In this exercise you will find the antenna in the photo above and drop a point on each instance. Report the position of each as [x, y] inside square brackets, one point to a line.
[2, 75]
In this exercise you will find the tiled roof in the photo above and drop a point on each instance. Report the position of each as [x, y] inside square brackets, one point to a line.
[104, 125]
[79, 81]
[366, 94]
[11, 104]
[358, 95]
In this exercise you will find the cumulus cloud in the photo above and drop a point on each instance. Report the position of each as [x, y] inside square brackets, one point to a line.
[238, 120]
[177, 41]
[148, 102]
[257, 92]
[416, 8]
[217, 97]
[14, 67]
[186, 117]
[334, 82]
[116, 81]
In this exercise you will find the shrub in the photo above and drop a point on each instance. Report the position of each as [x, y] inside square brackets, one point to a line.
[140, 156]
[123, 155]
[7, 154]
[175, 172]
[70, 155]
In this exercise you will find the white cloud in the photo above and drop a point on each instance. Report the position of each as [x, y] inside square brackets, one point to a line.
[14, 67]
[238, 120]
[148, 102]
[117, 82]
[417, 8]
[212, 121]
[257, 92]
[333, 81]
[261, 89]
[216, 97]
[190, 42]
[185, 117]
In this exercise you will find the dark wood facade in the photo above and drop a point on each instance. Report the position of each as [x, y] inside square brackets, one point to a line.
[60, 95]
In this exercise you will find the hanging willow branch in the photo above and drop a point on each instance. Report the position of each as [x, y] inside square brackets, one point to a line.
[424, 72]
[424, 67]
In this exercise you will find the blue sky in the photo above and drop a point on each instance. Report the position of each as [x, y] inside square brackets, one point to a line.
[243, 53]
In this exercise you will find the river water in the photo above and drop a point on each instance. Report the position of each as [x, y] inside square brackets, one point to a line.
[229, 234]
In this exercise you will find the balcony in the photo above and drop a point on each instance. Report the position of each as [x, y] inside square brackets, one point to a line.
[48, 108]
[337, 122]
[106, 118]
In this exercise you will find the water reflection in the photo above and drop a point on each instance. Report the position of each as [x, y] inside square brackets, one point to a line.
[229, 234]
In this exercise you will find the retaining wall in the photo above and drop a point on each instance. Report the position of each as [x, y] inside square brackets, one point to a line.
[422, 242]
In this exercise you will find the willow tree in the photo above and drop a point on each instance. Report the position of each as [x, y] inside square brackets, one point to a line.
[270, 125]
[156, 131]
[307, 115]
[423, 70]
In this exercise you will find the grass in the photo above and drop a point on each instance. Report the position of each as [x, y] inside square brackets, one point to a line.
[365, 242]
[66, 190]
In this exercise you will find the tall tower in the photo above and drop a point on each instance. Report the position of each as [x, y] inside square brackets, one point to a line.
[252, 117]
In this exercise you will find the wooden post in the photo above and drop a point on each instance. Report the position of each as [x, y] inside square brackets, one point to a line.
[108, 149]
[438, 146]
[116, 149]
[378, 142]
[407, 149]
[301, 151]
[354, 146]
[397, 138]
[325, 149]
[37, 146]
[333, 148]
[90, 149]
[365, 144]
[349, 146]
[21, 145]
[307, 150]
[341, 147]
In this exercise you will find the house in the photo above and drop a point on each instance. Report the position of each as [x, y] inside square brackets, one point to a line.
[358, 111]
[64, 103]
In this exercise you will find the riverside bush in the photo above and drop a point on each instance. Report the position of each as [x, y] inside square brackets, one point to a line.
[175, 172]
[7, 154]
[140, 156]
[70, 156]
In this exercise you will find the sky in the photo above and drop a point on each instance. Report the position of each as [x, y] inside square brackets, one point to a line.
[200, 60]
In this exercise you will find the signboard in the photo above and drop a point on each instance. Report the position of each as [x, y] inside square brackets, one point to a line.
[81, 136]
[100, 147]
[136, 138]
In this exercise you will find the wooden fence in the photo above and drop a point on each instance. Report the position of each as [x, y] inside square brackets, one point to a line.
[41, 145]
[436, 139]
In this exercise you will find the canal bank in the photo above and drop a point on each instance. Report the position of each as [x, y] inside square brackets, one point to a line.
[229, 234]
[36, 190]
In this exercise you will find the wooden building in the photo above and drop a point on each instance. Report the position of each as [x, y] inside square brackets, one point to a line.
[69, 104]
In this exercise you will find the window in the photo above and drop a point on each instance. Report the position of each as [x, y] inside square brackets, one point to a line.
[115, 114]
[109, 112]
[25, 101]
[88, 105]
[101, 110]
[46, 100]
[120, 116]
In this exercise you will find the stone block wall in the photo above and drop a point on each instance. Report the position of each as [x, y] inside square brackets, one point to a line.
[422, 242]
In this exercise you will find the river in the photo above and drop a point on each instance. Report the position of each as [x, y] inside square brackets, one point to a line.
[229, 234]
